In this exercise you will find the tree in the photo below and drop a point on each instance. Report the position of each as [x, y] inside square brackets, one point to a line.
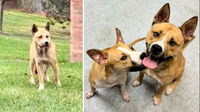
[2, 2]
[56, 9]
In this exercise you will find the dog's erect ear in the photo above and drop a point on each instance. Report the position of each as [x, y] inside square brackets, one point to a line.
[188, 29]
[98, 56]
[119, 36]
[162, 15]
[34, 29]
[47, 27]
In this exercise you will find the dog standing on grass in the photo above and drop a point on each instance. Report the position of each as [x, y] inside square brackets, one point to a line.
[42, 55]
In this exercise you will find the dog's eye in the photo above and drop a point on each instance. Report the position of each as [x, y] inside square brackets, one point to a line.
[123, 57]
[47, 36]
[172, 43]
[156, 34]
[40, 37]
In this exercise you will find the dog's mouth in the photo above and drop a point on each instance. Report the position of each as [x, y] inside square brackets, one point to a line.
[44, 46]
[152, 62]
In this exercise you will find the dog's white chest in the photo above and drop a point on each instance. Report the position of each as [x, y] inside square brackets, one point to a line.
[43, 60]
[111, 81]
[154, 76]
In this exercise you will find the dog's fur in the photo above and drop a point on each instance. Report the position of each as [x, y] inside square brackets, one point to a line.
[111, 66]
[172, 40]
[42, 55]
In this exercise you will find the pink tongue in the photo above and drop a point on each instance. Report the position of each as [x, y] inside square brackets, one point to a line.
[149, 63]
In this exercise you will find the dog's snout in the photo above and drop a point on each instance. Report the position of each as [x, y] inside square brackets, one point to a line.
[46, 43]
[156, 49]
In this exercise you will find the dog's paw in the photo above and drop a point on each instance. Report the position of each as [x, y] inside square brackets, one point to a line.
[156, 100]
[168, 91]
[58, 84]
[48, 79]
[89, 94]
[32, 82]
[126, 97]
[41, 87]
[136, 83]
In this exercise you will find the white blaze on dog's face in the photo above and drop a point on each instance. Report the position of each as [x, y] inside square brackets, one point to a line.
[134, 55]
[41, 36]
[164, 40]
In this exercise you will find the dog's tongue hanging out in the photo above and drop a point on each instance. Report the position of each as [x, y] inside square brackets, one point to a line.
[149, 63]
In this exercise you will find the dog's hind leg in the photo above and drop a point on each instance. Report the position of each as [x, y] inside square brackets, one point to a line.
[55, 70]
[32, 71]
[46, 76]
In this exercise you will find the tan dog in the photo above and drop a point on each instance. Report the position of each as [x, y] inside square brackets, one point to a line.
[164, 56]
[42, 55]
[111, 66]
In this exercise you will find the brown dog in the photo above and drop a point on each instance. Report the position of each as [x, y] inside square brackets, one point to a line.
[111, 66]
[42, 55]
[164, 55]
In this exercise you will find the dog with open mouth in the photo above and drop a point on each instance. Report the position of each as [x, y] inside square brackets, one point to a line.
[111, 66]
[164, 54]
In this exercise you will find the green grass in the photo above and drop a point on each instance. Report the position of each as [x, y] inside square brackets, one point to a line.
[16, 94]
[13, 19]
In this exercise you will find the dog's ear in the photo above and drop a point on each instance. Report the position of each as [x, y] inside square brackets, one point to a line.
[98, 56]
[119, 36]
[34, 29]
[47, 27]
[188, 29]
[162, 15]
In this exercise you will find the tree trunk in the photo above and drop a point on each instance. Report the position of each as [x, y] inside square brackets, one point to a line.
[30, 5]
[1, 14]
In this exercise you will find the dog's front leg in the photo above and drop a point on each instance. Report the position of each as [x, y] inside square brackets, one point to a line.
[138, 80]
[157, 98]
[40, 76]
[170, 88]
[46, 75]
[91, 92]
[32, 71]
[55, 70]
[124, 93]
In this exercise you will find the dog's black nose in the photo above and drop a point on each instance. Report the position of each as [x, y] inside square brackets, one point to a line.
[156, 49]
[46, 43]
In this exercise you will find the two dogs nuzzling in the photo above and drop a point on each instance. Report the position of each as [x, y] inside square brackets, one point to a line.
[163, 59]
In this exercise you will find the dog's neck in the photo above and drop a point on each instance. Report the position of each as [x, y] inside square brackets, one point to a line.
[168, 62]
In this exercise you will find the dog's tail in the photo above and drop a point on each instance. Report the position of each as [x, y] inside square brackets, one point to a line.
[136, 41]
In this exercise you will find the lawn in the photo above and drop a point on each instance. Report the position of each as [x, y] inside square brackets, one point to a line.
[16, 94]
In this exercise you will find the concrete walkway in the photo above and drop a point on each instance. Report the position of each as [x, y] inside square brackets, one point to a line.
[134, 18]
